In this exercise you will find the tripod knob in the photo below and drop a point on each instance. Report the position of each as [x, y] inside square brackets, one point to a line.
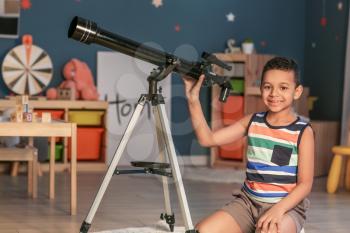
[169, 219]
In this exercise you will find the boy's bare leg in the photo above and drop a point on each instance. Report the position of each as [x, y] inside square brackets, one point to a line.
[287, 226]
[218, 222]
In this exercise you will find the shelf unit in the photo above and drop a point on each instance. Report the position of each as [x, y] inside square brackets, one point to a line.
[68, 106]
[250, 69]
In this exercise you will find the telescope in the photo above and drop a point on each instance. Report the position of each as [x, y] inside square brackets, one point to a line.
[88, 32]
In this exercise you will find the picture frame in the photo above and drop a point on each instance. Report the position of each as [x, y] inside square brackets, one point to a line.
[9, 18]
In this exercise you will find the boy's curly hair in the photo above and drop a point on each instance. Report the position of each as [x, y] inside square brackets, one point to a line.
[285, 64]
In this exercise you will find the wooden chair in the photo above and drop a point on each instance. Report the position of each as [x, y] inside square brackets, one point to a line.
[30, 155]
[336, 167]
[16, 165]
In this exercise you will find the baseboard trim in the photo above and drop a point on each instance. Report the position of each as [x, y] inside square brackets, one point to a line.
[195, 160]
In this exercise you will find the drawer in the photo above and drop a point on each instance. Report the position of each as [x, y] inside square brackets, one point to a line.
[232, 110]
[55, 114]
[89, 142]
[86, 117]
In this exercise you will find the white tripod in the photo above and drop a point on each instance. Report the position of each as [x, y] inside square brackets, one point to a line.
[165, 143]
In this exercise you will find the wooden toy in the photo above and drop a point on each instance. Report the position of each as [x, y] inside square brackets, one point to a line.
[46, 117]
[22, 112]
[27, 117]
[66, 93]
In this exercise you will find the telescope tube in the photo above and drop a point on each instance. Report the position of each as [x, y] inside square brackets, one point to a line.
[88, 32]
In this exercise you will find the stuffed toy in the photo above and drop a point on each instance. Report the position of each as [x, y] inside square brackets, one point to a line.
[79, 79]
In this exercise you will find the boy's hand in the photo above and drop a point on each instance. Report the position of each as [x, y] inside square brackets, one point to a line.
[192, 87]
[270, 222]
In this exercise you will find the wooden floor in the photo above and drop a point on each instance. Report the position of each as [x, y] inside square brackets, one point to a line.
[137, 201]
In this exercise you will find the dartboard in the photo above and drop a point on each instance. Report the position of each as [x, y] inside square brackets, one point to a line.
[27, 70]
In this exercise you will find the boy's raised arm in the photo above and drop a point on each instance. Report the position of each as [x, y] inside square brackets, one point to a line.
[206, 137]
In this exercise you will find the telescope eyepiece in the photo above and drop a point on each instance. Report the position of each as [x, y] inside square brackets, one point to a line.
[82, 30]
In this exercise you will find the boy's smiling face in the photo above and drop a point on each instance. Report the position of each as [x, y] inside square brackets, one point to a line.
[278, 90]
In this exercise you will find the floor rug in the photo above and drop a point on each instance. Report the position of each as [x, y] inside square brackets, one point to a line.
[160, 227]
[195, 173]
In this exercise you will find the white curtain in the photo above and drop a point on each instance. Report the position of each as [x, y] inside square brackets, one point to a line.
[345, 125]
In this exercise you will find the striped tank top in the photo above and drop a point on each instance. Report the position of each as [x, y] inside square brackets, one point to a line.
[272, 158]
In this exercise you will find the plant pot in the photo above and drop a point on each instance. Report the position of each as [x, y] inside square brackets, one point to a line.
[248, 48]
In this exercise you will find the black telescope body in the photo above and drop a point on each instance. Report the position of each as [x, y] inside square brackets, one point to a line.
[88, 32]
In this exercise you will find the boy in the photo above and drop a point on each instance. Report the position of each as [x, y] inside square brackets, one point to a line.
[280, 155]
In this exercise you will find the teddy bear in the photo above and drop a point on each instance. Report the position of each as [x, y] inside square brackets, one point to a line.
[79, 79]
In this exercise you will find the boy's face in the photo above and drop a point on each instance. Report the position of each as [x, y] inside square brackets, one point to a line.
[278, 90]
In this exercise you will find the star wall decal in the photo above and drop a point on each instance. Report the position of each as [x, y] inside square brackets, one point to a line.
[177, 28]
[263, 43]
[26, 4]
[340, 6]
[157, 3]
[230, 17]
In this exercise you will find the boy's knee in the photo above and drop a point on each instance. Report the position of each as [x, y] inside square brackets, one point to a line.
[198, 226]
[202, 227]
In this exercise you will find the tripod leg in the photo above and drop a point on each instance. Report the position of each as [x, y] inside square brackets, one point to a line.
[117, 155]
[175, 168]
[168, 216]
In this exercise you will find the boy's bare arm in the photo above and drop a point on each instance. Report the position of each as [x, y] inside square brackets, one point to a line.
[205, 135]
[208, 137]
[303, 187]
[305, 171]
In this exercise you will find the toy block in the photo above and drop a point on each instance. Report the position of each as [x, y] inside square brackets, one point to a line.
[46, 117]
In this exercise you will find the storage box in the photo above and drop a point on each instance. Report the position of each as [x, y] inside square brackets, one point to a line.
[86, 117]
[58, 152]
[89, 142]
[232, 110]
[55, 114]
[237, 85]
[234, 150]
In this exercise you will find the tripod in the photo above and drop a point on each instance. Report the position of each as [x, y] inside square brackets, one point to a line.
[166, 151]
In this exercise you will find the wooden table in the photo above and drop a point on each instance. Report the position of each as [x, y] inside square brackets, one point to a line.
[53, 130]
[68, 106]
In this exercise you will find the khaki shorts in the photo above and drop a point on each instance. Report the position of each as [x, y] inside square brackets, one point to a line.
[247, 211]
